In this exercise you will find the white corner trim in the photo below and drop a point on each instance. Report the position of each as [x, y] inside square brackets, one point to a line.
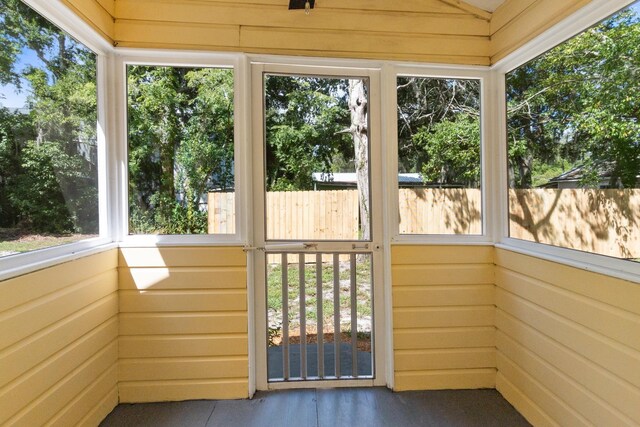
[574, 24]
[61, 16]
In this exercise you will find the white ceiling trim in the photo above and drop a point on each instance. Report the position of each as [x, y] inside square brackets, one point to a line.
[488, 5]
[475, 11]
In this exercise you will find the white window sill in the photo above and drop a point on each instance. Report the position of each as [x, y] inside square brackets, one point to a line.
[442, 240]
[136, 241]
[28, 262]
[608, 266]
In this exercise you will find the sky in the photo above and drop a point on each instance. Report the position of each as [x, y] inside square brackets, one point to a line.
[10, 98]
[9, 95]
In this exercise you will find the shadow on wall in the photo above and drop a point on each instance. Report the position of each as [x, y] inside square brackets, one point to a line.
[600, 221]
[440, 211]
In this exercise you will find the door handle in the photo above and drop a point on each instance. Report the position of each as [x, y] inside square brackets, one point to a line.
[289, 246]
[362, 246]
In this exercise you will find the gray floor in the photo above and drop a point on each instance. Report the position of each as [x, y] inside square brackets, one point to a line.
[350, 407]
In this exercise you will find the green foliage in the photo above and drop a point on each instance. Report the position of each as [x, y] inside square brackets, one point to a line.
[172, 217]
[438, 119]
[306, 123]
[15, 129]
[48, 175]
[180, 145]
[452, 149]
[578, 104]
[544, 171]
[49, 193]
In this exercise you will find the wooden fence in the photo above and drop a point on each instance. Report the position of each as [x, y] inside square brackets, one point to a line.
[296, 215]
[440, 211]
[312, 215]
[600, 221]
[606, 222]
[222, 213]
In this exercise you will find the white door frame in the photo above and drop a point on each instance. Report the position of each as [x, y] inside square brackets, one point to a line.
[377, 221]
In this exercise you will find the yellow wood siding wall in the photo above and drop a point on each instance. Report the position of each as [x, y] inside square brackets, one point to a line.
[97, 13]
[429, 31]
[518, 21]
[183, 324]
[443, 317]
[418, 30]
[568, 343]
[59, 344]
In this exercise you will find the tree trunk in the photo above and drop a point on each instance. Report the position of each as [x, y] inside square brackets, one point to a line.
[358, 106]
[168, 144]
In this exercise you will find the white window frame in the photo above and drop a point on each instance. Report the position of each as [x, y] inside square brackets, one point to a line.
[242, 172]
[67, 21]
[481, 74]
[580, 21]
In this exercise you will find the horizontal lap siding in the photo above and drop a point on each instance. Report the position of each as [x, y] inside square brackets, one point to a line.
[568, 343]
[420, 31]
[58, 343]
[443, 317]
[99, 14]
[517, 22]
[183, 324]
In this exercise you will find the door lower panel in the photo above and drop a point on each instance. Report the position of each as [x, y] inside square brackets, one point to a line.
[319, 316]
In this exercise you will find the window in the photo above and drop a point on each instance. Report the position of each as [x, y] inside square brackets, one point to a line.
[439, 173]
[48, 135]
[573, 139]
[181, 150]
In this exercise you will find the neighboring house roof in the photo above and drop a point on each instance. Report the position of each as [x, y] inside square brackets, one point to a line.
[350, 179]
[576, 174]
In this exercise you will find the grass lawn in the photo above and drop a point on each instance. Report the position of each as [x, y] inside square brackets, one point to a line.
[363, 297]
[13, 241]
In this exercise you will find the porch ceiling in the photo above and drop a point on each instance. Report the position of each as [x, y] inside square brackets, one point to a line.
[488, 5]
[474, 32]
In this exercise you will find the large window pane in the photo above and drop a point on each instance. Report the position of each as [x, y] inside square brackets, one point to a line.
[48, 122]
[181, 150]
[574, 142]
[317, 158]
[439, 172]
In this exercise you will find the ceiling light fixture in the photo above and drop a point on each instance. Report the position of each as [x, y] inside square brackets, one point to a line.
[307, 5]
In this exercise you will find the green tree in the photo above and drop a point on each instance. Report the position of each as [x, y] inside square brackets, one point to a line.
[452, 149]
[578, 105]
[423, 103]
[15, 129]
[307, 130]
[59, 130]
[180, 145]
